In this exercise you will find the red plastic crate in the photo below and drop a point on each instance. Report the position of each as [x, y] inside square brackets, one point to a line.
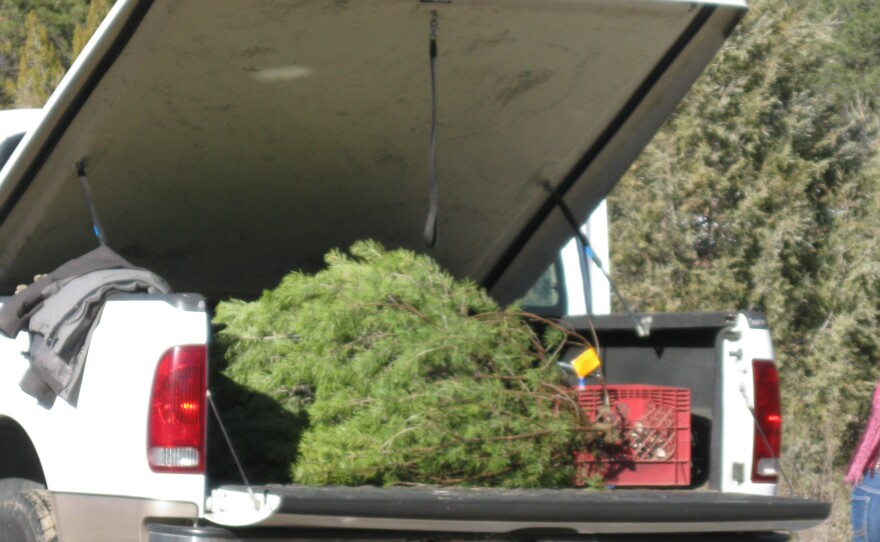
[654, 423]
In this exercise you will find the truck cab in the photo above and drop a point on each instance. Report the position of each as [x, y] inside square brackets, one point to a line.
[14, 124]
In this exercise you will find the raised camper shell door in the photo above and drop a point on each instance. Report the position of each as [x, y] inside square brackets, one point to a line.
[228, 143]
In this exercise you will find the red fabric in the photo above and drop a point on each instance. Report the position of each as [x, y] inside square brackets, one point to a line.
[865, 455]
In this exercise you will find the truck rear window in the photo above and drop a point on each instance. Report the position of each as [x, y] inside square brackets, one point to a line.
[547, 296]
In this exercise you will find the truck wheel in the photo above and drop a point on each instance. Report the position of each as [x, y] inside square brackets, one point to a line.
[11, 486]
[27, 517]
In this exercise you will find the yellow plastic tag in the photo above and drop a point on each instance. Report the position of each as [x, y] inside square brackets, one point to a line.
[586, 363]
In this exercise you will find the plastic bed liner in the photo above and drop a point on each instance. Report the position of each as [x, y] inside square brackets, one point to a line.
[505, 511]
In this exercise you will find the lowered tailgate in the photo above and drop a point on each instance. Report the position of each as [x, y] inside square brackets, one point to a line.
[500, 511]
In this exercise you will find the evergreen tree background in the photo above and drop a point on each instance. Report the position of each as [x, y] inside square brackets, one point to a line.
[761, 192]
[39, 40]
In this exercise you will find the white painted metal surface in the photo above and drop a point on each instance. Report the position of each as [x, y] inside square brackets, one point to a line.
[98, 445]
[738, 396]
[16, 121]
[595, 298]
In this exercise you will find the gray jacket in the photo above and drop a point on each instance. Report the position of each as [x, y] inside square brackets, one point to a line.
[60, 310]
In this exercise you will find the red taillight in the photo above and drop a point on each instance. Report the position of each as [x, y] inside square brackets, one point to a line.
[768, 426]
[176, 438]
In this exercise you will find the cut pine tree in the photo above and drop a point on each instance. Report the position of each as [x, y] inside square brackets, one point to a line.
[405, 376]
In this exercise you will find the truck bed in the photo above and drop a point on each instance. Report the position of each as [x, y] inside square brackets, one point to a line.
[501, 511]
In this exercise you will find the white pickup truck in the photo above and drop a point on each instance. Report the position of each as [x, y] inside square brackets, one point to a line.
[226, 143]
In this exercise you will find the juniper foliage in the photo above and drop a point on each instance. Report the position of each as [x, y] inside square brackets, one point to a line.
[761, 192]
[407, 376]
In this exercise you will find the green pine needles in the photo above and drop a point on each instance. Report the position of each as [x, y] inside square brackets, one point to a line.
[406, 376]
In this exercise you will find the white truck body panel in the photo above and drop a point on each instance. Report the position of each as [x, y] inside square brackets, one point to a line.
[98, 446]
[13, 123]
[594, 297]
[16, 121]
[745, 344]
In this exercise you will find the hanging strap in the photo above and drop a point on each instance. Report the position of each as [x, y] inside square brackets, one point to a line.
[93, 211]
[431, 224]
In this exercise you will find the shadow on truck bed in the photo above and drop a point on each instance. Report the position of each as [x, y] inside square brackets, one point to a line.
[264, 434]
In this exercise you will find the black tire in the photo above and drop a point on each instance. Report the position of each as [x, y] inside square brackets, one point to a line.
[27, 517]
[11, 486]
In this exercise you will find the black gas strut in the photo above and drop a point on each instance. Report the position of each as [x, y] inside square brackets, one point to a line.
[643, 326]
